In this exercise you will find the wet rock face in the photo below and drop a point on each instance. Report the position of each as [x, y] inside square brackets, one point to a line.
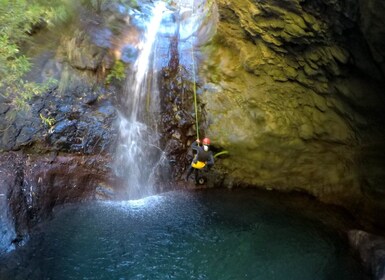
[57, 152]
[286, 95]
[77, 121]
[177, 120]
[177, 82]
[10, 177]
[32, 185]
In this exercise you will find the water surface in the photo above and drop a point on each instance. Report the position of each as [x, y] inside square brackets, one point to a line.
[215, 234]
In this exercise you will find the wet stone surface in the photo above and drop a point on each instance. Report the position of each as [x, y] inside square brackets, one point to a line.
[80, 121]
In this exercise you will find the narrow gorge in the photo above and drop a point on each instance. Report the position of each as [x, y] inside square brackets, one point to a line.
[291, 91]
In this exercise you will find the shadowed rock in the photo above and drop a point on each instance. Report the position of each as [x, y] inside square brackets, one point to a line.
[371, 249]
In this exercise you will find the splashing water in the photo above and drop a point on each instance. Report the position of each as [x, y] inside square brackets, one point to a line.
[138, 151]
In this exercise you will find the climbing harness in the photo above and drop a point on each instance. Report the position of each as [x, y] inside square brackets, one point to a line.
[198, 164]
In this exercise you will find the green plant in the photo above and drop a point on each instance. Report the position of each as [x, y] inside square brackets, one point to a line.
[117, 72]
[17, 20]
[48, 121]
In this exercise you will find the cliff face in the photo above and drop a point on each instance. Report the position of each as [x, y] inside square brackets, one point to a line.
[59, 151]
[293, 90]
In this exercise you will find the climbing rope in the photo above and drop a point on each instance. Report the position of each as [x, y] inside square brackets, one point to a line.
[195, 93]
[194, 82]
[196, 103]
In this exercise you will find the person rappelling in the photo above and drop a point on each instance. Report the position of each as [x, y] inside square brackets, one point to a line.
[203, 160]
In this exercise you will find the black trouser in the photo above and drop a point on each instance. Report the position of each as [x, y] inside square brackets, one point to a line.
[191, 170]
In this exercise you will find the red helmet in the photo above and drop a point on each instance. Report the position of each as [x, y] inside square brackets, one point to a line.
[206, 141]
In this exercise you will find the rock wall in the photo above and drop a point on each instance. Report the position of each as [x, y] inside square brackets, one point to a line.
[32, 185]
[58, 151]
[290, 89]
[47, 163]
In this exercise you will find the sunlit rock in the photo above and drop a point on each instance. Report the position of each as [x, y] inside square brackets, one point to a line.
[287, 103]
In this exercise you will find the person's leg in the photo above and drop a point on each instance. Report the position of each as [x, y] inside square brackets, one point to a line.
[196, 173]
[189, 171]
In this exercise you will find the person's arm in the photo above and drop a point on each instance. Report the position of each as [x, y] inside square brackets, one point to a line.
[195, 145]
[210, 162]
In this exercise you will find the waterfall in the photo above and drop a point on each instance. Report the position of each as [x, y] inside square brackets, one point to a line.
[138, 151]
[139, 159]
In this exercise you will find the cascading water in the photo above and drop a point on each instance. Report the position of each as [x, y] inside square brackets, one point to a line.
[138, 152]
[139, 157]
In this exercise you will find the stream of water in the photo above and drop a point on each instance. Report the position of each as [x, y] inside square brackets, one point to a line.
[138, 152]
[216, 234]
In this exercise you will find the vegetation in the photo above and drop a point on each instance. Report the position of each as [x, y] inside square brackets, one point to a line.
[47, 121]
[117, 72]
[17, 20]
